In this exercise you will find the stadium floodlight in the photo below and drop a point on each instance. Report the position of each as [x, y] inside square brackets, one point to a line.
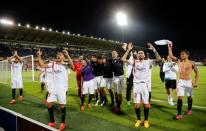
[19, 24]
[27, 25]
[50, 29]
[6, 22]
[57, 31]
[37, 27]
[68, 33]
[43, 28]
[121, 19]
[63, 32]
[78, 34]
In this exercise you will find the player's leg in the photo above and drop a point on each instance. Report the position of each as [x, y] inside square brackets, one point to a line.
[42, 86]
[13, 87]
[51, 114]
[109, 87]
[21, 94]
[63, 117]
[189, 97]
[145, 98]
[91, 93]
[180, 94]
[129, 88]
[79, 87]
[137, 97]
[85, 89]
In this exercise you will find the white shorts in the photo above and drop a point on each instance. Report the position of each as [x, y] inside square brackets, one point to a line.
[141, 92]
[118, 82]
[106, 82]
[184, 87]
[42, 78]
[150, 86]
[58, 95]
[88, 87]
[16, 84]
[97, 82]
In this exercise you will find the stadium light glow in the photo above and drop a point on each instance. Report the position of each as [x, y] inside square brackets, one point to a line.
[6, 22]
[68, 33]
[50, 29]
[78, 34]
[57, 31]
[27, 25]
[37, 27]
[43, 28]
[19, 24]
[121, 19]
[63, 32]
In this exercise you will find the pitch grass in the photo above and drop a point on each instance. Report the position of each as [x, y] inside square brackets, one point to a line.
[102, 119]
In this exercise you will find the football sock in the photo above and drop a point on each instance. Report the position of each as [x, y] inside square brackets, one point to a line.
[20, 91]
[179, 106]
[146, 113]
[82, 99]
[90, 98]
[150, 95]
[137, 111]
[189, 101]
[63, 114]
[51, 114]
[13, 93]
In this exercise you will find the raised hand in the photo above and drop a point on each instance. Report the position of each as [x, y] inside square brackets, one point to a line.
[39, 52]
[150, 46]
[66, 54]
[130, 46]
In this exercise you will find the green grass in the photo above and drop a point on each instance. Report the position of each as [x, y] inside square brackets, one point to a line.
[102, 119]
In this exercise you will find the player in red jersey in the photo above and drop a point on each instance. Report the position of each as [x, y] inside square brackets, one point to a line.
[77, 69]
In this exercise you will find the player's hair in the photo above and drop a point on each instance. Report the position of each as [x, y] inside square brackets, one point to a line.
[100, 57]
[94, 55]
[141, 50]
[185, 51]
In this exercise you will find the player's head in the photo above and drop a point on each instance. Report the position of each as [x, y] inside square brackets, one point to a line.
[100, 59]
[184, 54]
[169, 59]
[60, 57]
[94, 57]
[83, 62]
[140, 54]
[114, 54]
[16, 60]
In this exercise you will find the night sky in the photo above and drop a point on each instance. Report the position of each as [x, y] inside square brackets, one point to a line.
[149, 20]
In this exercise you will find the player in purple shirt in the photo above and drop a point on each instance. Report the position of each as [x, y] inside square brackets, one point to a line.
[87, 83]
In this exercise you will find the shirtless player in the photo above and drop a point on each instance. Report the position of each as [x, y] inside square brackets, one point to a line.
[185, 83]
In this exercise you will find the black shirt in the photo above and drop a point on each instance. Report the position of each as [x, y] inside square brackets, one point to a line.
[97, 68]
[107, 71]
[117, 67]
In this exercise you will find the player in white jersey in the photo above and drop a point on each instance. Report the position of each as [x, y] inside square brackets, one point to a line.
[42, 78]
[170, 69]
[57, 89]
[141, 73]
[16, 76]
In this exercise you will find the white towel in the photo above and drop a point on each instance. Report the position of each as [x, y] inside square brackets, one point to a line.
[163, 42]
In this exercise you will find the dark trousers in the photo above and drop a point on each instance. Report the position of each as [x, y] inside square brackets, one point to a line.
[162, 76]
[129, 87]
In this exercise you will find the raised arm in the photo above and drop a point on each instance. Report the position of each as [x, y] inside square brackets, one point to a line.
[196, 74]
[39, 59]
[151, 47]
[124, 58]
[10, 58]
[170, 52]
[70, 62]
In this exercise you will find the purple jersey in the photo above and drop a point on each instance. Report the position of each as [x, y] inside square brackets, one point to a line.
[87, 73]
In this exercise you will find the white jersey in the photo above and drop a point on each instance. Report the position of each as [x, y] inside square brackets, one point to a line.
[16, 71]
[59, 74]
[170, 69]
[142, 71]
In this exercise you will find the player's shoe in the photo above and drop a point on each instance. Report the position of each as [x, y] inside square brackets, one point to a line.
[138, 123]
[82, 108]
[12, 101]
[178, 117]
[21, 98]
[146, 124]
[97, 103]
[189, 112]
[117, 110]
[62, 126]
[52, 124]
[89, 106]
[128, 103]
[103, 103]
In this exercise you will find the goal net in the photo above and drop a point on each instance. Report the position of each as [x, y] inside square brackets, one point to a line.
[28, 73]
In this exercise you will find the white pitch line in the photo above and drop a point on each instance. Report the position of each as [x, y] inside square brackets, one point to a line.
[200, 107]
